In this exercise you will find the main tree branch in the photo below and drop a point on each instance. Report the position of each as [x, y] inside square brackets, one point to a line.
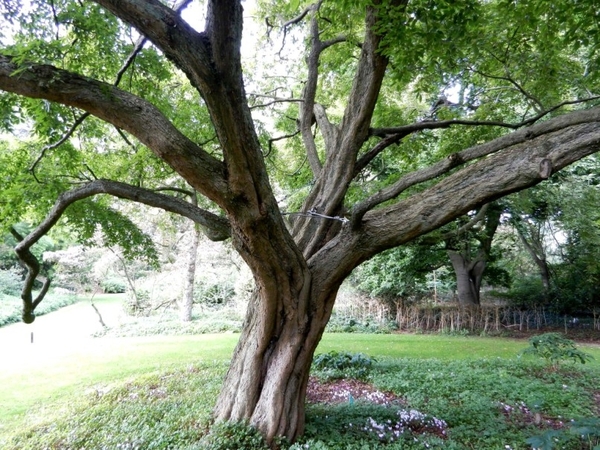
[446, 165]
[124, 110]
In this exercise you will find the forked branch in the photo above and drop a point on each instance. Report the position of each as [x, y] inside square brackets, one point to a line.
[30, 262]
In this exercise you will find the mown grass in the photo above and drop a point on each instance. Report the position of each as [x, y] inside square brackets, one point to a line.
[158, 391]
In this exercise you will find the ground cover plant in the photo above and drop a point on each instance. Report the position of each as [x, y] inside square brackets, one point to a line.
[11, 306]
[451, 402]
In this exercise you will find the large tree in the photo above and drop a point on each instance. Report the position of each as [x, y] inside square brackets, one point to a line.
[513, 64]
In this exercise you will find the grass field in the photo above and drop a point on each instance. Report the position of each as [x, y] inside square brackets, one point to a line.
[63, 362]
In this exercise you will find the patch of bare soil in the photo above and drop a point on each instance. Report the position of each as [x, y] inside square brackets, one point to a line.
[346, 390]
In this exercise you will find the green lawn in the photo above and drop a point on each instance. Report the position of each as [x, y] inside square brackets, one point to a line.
[62, 365]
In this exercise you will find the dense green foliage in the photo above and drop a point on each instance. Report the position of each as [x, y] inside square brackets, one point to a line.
[555, 348]
[168, 410]
[333, 365]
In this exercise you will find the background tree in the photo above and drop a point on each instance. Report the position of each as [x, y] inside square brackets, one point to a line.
[513, 65]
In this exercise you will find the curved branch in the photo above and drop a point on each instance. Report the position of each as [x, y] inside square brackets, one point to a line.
[123, 110]
[523, 162]
[30, 262]
[216, 228]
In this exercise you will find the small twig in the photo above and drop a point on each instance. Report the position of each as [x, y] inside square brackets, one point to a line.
[279, 138]
[58, 143]
[277, 100]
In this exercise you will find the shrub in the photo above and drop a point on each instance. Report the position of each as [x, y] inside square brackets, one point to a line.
[554, 347]
[113, 286]
[335, 365]
[10, 282]
[213, 293]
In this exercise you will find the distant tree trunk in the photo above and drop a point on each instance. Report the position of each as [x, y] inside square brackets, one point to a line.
[187, 302]
[534, 244]
[469, 275]
[469, 270]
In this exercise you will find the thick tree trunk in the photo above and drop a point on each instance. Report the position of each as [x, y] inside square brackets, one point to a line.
[469, 275]
[266, 382]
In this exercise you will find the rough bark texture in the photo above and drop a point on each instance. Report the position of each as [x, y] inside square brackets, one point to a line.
[297, 273]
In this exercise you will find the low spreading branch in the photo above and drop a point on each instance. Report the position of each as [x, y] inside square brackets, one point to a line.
[394, 135]
[216, 228]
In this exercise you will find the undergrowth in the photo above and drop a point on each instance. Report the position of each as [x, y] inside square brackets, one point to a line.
[482, 403]
[11, 306]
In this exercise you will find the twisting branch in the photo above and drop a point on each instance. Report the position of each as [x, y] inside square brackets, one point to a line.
[215, 227]
[30, 262]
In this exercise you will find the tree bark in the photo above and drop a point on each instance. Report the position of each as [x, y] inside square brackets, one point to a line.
[297, 273]
[469, 275]
[187, 302]
[469, 269]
